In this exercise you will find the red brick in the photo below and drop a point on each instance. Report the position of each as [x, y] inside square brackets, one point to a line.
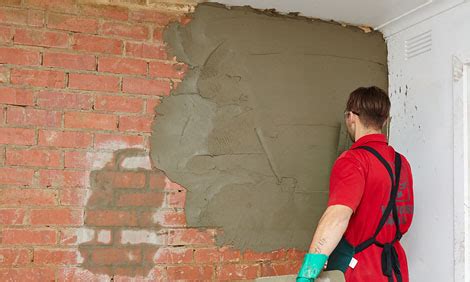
[110, 218]
[56, 216]
[131, 31]
[170, 255]
[72, 196]
[158, 35]
[2, 122]
[177, 199]
[55, 256]
[119, 104]
[70, 61]
[4, 74]
[112, 255]
[55, 5]
[206, 255]
[145, 199]
[41, 38]
[135, 123]
[157, 180]
[35, 117]
[72, 23]
[11, 257]
[277, 269]
[152, 16]
[185, 19]
[68, 236]
[152, 104]
[114, 142]
[21, 17]
[16, 96]
[16, 56]
[77, 159]
[11, 2]
[28, 237]
[65, 139]
[190, 272]
[27, 274]
[59, 100]
[34, 157]
[6, 34]
[63, 178]
[97, 44]
[190, 237]
[110, 12]
[27, 197]
[293, 254]
[122, 179]
[12, 217]
[237, 271]
[146, 86]
[94, 82]
[90, 121]
[167, 70]
[143, 50]
[250, 255]
[172, 219]
[76, 274]
[39, 78]
[228, 254]
[122, 65]
[17, 136]
[16, 176]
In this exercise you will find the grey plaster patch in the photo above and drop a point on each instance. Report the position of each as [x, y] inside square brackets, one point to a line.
[253, 129]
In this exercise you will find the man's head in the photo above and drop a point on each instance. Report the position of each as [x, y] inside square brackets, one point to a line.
[367, 111]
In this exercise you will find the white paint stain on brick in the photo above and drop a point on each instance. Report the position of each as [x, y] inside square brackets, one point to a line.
[80, 259]
[98, 160]
[104, 236]
[174, 253]
[137, 162]
[141, 237]
[118, 145]
[80, 274]
[85, 235]
[159, 217]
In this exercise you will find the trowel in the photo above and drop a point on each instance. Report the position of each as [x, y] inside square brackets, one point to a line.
[325, 276]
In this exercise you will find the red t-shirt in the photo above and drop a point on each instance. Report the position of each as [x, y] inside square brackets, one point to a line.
[360, 181]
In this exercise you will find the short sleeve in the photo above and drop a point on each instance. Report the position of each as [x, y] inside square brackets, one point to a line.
[347, 182]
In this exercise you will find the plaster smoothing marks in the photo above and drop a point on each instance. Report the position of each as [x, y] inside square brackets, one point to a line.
[252, 131]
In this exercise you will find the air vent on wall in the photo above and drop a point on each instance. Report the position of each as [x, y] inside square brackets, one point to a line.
[419, 44]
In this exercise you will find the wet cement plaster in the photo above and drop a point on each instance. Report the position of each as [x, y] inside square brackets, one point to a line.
[253, 129]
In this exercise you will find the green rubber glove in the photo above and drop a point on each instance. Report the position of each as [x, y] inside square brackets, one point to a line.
[301, 279]
[311, 267]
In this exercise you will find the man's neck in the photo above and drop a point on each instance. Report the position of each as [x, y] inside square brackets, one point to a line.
[361, 132]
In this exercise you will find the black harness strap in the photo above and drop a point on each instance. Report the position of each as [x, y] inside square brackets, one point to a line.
[390, 263]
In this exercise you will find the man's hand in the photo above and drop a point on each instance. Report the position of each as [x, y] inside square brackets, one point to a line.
[311, 267]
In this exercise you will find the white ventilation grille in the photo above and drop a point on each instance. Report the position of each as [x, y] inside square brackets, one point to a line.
[418, 45]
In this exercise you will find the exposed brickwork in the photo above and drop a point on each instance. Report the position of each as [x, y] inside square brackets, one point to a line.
[79, 84]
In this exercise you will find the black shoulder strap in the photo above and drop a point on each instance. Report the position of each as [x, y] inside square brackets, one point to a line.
[391, 206]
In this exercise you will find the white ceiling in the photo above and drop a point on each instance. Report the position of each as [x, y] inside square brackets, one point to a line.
[373, 13]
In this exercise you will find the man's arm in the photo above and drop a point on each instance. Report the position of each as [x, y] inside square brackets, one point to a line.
[331, 228]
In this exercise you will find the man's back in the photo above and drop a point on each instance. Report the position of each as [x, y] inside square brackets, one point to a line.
[361, 182]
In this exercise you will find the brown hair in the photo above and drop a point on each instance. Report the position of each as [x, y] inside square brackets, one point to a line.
[372, 104]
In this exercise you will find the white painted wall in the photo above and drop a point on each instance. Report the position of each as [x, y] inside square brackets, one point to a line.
[423, 129]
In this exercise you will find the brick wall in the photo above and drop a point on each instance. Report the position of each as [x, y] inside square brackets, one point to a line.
[79, 199]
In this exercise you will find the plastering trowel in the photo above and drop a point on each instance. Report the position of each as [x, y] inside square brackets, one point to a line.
[325, 276]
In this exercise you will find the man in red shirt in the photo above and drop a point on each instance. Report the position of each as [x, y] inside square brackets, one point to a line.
[370, 204]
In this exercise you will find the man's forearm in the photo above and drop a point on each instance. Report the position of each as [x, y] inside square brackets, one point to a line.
[330, 229]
